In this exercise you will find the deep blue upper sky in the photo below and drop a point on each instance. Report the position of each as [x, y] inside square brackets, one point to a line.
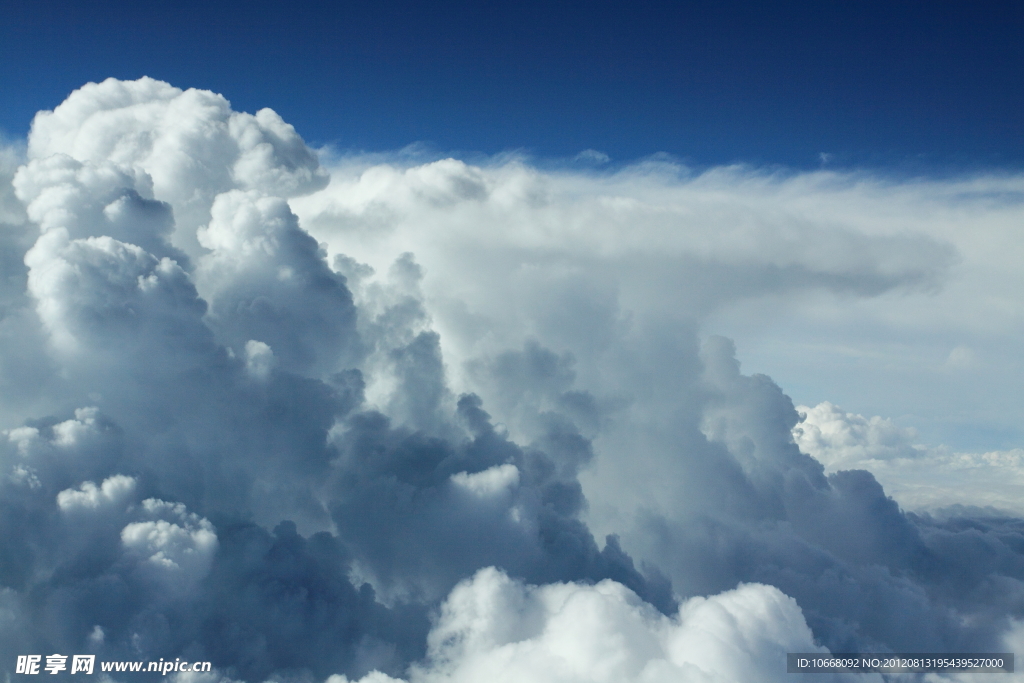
[930, 84]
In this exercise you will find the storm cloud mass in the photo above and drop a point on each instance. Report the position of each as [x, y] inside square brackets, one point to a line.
[365, 419]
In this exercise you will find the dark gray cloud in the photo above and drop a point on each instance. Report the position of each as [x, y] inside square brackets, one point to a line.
[422, 513]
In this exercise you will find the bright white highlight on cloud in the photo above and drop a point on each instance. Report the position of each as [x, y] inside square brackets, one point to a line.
[488, 482]
[112, 492]
[496, 629]
[174, 546]
[842, 441]
[190, 143]
[259, 359]
[493, 628]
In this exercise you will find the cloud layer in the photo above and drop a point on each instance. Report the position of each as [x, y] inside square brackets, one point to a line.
[439, 422]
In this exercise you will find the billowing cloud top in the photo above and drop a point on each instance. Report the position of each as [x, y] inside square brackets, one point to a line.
[441, 422]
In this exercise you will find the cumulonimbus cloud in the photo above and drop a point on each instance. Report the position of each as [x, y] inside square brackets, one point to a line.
[436, 421]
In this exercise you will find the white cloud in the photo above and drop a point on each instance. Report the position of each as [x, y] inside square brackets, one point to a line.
[113, 491]
[24, 476]
[919, 478]
[488, 482]
[22, 437]
[201, 677]
[630, 225]
[496, 629]
[174, 546]
[831, 282]
[841, 440]
[69, 451]
[259, 359]
[93, 199]
[266, 279]
[72, 432]
[190, 143]
[88, 290]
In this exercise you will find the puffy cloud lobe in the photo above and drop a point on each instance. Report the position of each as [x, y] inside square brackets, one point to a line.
[115, 567]
[151, 579]
[575, 259]
[494, 628]
[128, 330]
[190, 143]
[176, 548]
[724, 496]
[96, 199]
[114, 490]
[266, 280]
[55, 455]
[259, 359]
[90, 290]
[838, 439]
[489, 482]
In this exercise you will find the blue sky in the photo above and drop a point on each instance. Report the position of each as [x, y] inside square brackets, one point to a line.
[918, 86]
